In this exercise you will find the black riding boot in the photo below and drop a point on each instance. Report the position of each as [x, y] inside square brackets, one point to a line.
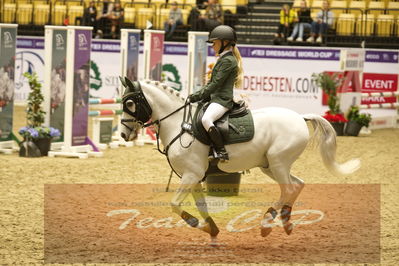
[218, 145]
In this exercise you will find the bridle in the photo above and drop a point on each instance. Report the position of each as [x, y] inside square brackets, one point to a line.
[143, 111]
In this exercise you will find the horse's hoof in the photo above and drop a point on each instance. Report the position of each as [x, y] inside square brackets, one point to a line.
[214, 241]
[288, 227]
[265, 231]
[266, 224]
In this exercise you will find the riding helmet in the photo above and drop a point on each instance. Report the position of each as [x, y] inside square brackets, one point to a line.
[224, 33]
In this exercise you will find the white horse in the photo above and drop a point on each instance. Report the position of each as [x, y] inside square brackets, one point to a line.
[281, 135]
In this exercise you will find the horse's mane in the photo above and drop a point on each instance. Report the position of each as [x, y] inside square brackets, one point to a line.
[165, 88]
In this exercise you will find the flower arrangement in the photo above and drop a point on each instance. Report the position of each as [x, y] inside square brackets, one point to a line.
[335, 118]
[35, 113]
[39, 132]
[361, 119]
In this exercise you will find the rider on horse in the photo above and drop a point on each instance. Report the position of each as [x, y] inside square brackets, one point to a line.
[226, 74]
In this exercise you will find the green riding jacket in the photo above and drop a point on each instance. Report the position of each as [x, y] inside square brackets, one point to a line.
[220, 88]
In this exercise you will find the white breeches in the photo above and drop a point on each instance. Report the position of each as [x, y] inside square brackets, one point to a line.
[213, 113]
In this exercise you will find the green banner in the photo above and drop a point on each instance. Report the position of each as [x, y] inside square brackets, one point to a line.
[58, 70]
[7, 84]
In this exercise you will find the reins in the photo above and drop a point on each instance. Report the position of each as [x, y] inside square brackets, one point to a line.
[144, 111]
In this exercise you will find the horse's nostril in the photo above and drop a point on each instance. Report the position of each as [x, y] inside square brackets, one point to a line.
[123, 135]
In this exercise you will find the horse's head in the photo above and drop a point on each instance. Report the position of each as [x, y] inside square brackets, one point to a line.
[136, 110]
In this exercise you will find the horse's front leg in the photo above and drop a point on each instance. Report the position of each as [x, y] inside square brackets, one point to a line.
[187, 186]
[210, 226]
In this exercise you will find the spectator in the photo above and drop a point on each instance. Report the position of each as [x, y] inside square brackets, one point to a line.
[116, 18]
[212, 18]
[103, 18]
[303, 22]
[287, 17]
[175, 19]
[90, 15]
[201, 4]
[324, 20]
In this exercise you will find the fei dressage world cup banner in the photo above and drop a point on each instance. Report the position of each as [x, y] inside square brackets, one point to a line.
[273, 76]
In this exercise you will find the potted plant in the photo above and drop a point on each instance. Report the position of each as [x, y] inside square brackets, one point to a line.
[329, 84]
[37, 138]
[356, 121]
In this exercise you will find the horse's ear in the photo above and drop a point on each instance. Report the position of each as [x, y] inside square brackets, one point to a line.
[130, 84]
[122, 81]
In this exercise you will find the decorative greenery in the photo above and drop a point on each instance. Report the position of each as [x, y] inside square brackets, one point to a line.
[362, 119]
[35, 113]
[329, 84]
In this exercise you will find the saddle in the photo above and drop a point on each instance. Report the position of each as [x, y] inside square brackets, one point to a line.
[236, 125]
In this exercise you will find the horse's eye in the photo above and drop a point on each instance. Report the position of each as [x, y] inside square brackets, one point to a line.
[129, 103]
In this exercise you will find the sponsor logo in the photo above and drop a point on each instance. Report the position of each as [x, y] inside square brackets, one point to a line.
[8, 40]
[82, 40]
[171, 77]
[26, 61]
[156, 44]
[95, 77]
[242, 222]
[133, 42]
[59, 42]
[201, 44]
[282, 86]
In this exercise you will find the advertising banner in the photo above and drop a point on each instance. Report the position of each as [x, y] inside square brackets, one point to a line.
[272, 76]
[197, 53]
[105, 69]
[8, 34]
[81, 87]
[133, 48]
[58, 79]
[29, 58]
[153, 52]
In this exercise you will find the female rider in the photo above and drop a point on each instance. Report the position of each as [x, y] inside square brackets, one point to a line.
[226, 74]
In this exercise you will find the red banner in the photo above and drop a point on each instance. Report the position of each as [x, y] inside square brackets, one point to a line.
[373, 82]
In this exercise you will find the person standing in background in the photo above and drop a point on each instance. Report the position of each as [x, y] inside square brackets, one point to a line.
[175, 19]
[303, 21]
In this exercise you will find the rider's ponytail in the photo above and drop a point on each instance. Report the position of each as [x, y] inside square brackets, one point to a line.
[239, 78]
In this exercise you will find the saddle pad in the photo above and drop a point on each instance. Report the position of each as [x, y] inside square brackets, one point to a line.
[233, 129]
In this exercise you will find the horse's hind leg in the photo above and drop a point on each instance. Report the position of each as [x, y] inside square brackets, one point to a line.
[290, 187]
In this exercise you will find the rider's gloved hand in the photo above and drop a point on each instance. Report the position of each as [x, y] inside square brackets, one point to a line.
[194, 98]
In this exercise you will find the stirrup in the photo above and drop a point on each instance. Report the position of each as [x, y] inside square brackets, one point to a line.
[222, 155]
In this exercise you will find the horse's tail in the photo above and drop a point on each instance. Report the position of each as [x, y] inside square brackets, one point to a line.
[324, 135]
